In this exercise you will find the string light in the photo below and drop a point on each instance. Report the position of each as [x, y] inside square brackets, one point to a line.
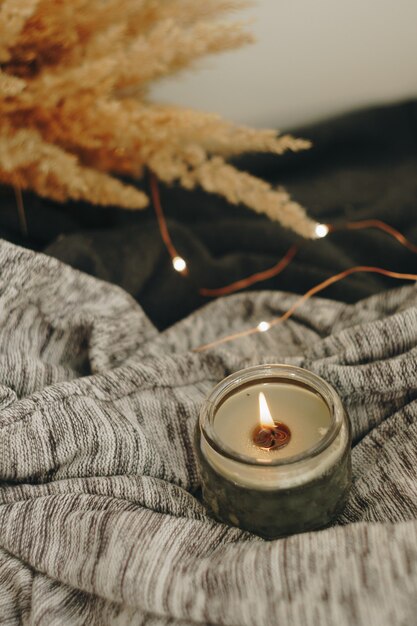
[179, 264]
[322, 230]
[311, 292]
[263, 326]
[289, 256]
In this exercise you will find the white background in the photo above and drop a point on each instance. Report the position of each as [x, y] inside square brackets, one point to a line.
[313, 58]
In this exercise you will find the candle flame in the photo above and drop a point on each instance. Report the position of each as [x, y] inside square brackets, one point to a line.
[265, 416]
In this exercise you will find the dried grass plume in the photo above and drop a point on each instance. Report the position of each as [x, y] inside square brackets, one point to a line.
[75, 115]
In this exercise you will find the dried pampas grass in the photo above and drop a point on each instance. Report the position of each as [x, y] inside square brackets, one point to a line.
[75, 114]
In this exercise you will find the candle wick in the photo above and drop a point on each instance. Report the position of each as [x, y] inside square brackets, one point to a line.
[272, 437]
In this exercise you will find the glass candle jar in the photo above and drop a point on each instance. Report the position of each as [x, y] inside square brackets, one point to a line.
[273, 443]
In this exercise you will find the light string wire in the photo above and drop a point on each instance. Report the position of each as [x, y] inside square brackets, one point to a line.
[322, 230]
[177, 261]
[291, 253]
[254, 278]
[21, 214]
[264, 326]
[380, 225]
[279, 267]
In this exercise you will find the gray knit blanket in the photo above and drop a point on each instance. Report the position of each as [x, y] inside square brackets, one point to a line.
[100, 517]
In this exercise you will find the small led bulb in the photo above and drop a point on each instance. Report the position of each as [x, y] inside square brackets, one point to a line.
[263, 326]
[321, 230]
[179, 264]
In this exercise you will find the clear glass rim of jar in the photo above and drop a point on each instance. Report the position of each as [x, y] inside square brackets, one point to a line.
[284, 373]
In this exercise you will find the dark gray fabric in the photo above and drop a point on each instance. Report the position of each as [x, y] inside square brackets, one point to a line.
[99, 511]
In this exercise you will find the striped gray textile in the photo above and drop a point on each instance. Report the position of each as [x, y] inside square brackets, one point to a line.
[99, 512]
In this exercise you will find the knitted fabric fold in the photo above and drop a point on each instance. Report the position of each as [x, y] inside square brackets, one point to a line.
[101, 521]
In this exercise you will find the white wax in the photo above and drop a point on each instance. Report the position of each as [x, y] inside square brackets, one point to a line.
[306, 415]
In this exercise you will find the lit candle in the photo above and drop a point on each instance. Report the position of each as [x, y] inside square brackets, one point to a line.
[274, 449]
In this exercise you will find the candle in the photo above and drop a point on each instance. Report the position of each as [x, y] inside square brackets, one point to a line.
[274, 448]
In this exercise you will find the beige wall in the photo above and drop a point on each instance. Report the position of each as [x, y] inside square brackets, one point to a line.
[313, 58]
